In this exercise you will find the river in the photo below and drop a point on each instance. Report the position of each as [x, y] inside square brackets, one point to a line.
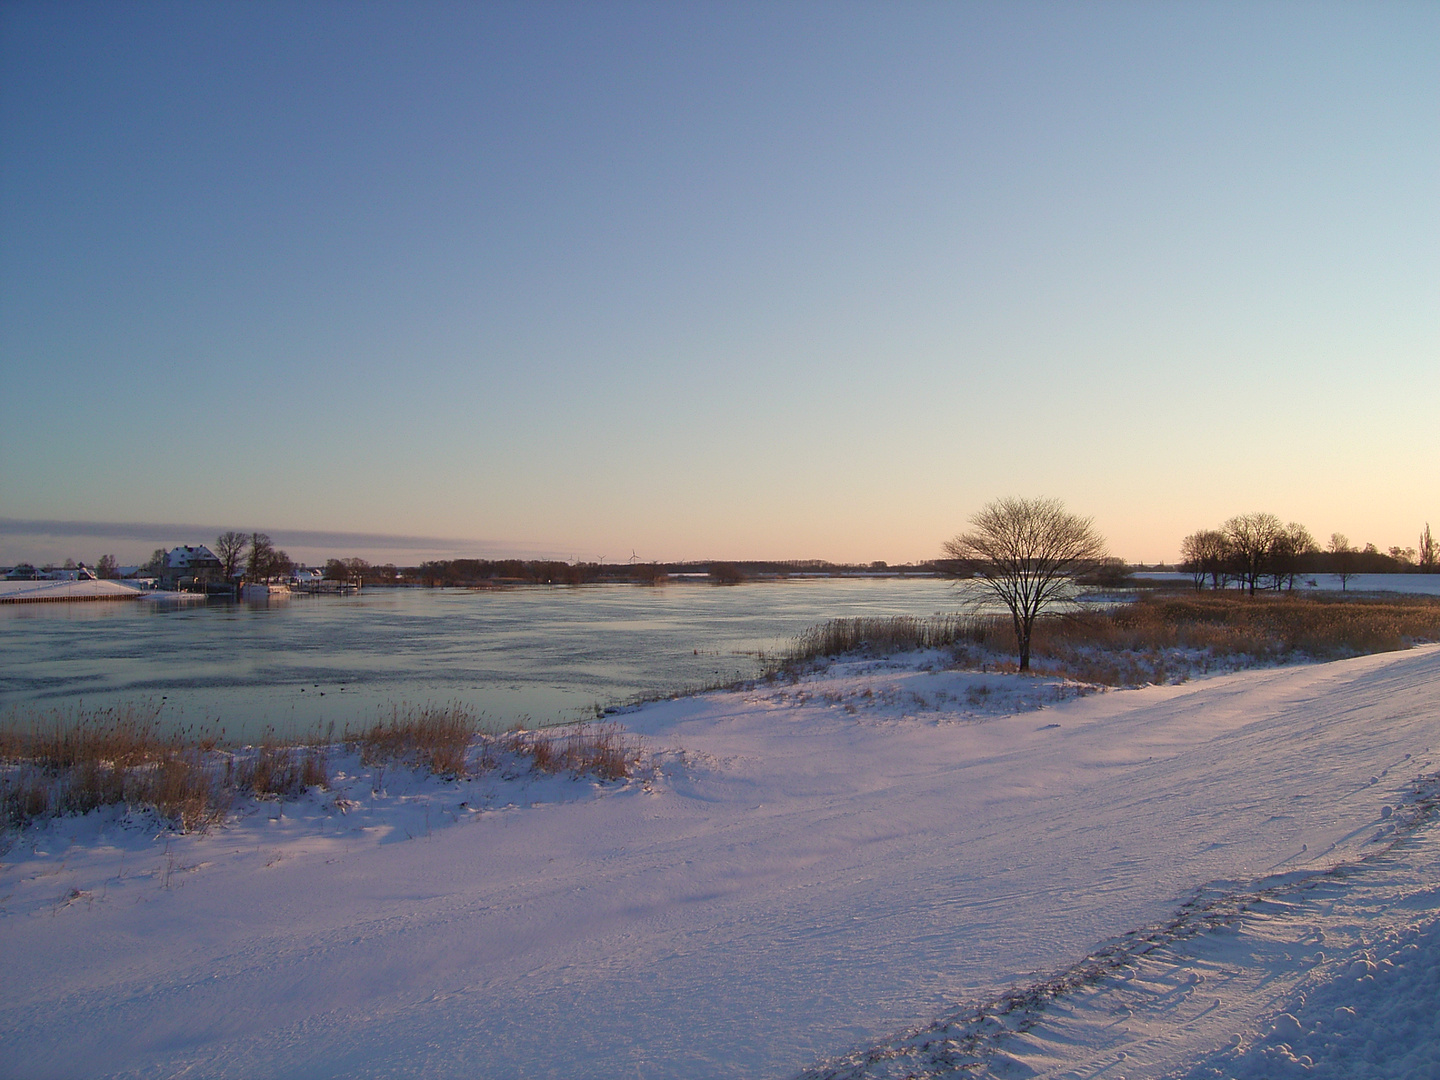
[533, 655]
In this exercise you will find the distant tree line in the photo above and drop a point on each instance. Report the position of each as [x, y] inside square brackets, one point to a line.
[253, 556]
[1258, 551]
[463, 572]
[360, 572]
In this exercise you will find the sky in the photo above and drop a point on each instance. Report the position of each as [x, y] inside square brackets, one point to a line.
[704, 280]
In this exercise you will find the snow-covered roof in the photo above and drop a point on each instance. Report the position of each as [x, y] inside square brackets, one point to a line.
[185, 556]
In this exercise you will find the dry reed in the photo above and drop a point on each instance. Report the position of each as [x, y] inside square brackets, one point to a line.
[598, 750]
[896, 633]
[77, 760]
[432, 737]
[282, 769]
[1154, 639]
[1263, 629]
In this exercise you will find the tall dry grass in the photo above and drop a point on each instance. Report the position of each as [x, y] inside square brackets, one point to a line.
[73, 761]
[1154, 639]
[599, 750]
[432, 737]
[1319, 627]
[281, 768]
[447, 741]
[79, 760]
[894, 633]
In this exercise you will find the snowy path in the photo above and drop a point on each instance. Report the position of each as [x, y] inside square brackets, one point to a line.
[1314, 974]
[811, 875]
[1336, 978]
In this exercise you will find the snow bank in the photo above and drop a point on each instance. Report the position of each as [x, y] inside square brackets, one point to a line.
[34, 591]
[804, 867]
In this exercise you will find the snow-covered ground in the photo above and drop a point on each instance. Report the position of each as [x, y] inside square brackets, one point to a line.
[84, 590]
[802, 870]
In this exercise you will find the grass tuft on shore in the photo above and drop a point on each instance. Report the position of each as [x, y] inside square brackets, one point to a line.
[436, 738]
[599, 750]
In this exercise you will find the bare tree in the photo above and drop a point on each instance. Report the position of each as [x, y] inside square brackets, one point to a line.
[229, 546]
[1427, 552]
[281, 565]
[1288, 551]
[106, 567]
[1343, 558]
[258, 566]
[1205, 554]
[1027, 553]
[1253, 539]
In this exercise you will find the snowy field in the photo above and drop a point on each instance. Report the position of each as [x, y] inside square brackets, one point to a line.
[840, 876]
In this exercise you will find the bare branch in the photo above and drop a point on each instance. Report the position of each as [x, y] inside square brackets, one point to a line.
[1026, 553]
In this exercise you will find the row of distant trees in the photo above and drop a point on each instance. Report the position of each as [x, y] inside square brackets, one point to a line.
[360, 572]
[256, 555]
[481, 571]
[1258, 551]
[454, 572]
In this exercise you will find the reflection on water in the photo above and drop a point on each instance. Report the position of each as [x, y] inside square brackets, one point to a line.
[537, 655]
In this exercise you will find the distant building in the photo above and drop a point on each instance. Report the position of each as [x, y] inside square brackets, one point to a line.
[186, 567]
[23, 572]
[306, 575]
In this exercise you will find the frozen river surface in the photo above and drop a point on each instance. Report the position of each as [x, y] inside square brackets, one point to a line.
[535, 655]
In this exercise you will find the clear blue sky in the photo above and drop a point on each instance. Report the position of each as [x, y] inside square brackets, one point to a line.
[736, 280]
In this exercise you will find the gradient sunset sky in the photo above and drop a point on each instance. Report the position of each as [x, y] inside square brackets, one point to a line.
[695, 280]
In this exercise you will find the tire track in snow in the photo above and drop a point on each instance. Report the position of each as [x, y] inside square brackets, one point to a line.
[1198, 997]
